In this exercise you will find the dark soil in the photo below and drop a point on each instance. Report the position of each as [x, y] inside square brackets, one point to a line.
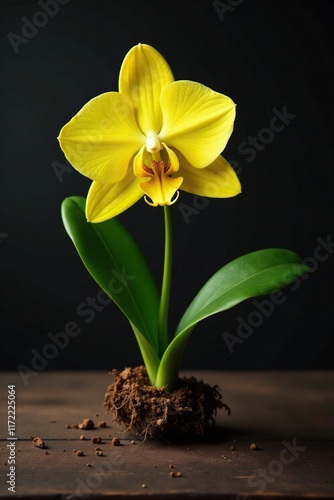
[186, 412]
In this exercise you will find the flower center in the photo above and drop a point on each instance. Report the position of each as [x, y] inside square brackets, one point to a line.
[157, 167]
[157, 164]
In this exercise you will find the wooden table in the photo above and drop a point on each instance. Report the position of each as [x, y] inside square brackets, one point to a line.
[289, 416]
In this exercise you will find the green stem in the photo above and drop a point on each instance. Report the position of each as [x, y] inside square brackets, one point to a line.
[166, 281]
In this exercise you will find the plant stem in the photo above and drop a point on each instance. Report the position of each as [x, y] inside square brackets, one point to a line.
[166, 281]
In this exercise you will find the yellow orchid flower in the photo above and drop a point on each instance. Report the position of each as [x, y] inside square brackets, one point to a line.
[152, 138]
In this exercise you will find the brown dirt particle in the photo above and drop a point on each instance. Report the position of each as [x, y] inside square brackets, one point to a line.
[67, 426]
[115, 442]
[89, 465]
[38, 442]
[82, 437]
[171, 466]
[132, 441]
[253, 446]
[99, 453]
[175, 474]
[96, 440]
[79, 453]
[87, 423]
[102, 424]
[46, 453]
[232, 448]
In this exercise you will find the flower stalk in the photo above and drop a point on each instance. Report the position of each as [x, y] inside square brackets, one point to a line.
[166, 281]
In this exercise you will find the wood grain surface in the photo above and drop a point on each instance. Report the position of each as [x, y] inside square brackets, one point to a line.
[288, 415]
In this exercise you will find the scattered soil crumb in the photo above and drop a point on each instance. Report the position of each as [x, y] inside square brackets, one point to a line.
[67, 426]
[143, 485]
[233, 448]
[175, 474]
[89, 465]
[79, 453]
[96, 440]
[46, 453]
[38, 442]
[188, 411]
[132, 441]
[82, 437]
[102, 424]
[253, 446]
[99, 453]
[115, 442]
[87, 423]
[171, 466]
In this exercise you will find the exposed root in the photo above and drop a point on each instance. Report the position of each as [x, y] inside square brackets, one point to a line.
[153, 412]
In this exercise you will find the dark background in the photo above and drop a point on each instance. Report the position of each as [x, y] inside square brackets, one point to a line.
[265, 55]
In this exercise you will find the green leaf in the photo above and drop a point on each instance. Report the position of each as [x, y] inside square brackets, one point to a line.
[118, 266]
[254, 274]
[150, 357]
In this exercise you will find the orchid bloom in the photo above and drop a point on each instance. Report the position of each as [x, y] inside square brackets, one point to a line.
[152, 138]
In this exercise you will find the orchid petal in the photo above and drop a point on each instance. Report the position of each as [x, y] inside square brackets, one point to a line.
[196, 120]
[105, 201]
[143, 75]
[217, 180]
[101, 138]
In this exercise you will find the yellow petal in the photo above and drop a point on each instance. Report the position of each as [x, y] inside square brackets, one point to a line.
[172, 159]
[102, 137]
[196, 120]
[218, 180]
[144, 73]
[105, 201]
